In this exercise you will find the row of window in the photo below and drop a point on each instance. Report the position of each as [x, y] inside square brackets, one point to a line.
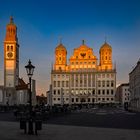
[82, 63]
[106, 92]
[106, 83]
[127, 99]
[84, 100]
[106, 57]
[99, 75]
[63, 76]
[61, 84]
[83, 83]
[76, 92]
[126, 89]
[127, 94]
[9, 48]
[106, 75]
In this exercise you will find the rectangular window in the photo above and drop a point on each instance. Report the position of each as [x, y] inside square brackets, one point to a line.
[93, 80]
[63, 84]
[67, 83]
[93, 92]
[107, 84]
[103, 92]
[99, 83]
[112, 83]
[85, 80]
[107, 75]
[58, 92]
[99, 92]
[72, 80]
[112, 92]
[88, 99]
[58, 83]
[54, 83]
[72, 99]
[107, 92]
[103, 83]
[54, 92]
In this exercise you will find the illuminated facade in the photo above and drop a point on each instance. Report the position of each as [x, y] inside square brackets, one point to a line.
[83, 79]
[15, 90]
[11, 62]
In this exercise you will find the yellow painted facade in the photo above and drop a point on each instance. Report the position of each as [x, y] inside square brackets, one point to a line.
[83, 58]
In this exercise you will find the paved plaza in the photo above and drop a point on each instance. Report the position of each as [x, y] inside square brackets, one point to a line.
[91, 124]
[11, 131]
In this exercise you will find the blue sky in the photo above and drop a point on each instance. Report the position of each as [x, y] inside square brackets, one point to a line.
[42, 22]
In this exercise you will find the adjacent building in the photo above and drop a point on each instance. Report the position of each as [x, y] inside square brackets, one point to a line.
[123, 94]
[134, 80]
[82, 79]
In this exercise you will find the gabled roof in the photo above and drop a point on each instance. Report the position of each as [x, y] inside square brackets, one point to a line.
[21, 85]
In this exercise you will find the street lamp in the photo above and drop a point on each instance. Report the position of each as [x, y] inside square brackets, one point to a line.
[30, 70]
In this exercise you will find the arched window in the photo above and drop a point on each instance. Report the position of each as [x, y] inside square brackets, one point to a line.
[11, 48]
[7, 48]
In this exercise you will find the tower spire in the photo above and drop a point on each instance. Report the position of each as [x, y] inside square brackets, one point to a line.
[11, 20]
[60, 39]
[83, 42]
[105, 39]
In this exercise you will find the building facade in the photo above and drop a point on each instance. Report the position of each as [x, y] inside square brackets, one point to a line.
[83, 80]
[134, 80]
[123, 94]
[14, 90]
[11, 63]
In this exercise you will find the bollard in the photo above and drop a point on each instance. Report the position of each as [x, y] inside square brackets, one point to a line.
[38, 125]
[23, 125]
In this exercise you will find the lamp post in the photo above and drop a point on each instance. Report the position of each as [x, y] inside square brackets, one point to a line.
[30, 70]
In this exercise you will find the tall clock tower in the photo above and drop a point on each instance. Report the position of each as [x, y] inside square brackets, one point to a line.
[11, 62]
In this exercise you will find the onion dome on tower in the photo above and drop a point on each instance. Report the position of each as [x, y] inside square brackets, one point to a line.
[106, 56]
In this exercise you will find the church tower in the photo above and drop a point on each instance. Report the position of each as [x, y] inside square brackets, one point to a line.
[105, 57]
[11, 62]
[60, 57]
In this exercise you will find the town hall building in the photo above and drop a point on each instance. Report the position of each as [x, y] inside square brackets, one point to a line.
[82, 79]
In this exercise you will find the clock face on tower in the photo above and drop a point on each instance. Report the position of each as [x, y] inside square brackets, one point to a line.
[10, 55]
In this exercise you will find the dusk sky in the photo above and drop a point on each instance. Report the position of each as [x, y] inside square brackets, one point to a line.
[41, 23]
